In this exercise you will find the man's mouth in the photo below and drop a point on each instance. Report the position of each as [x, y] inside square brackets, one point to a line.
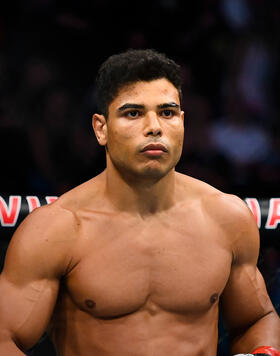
[154, 149]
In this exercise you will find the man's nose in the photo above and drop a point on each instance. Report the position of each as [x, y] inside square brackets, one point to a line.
[152, 125]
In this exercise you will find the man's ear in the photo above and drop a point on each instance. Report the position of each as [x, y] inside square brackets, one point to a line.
[99, 125]
[182, 116]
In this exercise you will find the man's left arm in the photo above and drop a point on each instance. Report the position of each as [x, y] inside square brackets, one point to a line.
[252, 322]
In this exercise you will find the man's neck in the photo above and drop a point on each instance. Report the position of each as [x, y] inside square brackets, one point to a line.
[140, 196]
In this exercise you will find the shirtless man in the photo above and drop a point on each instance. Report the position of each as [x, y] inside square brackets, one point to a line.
[137, 261]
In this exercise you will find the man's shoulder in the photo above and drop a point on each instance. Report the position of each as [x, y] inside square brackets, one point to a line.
[224, 205]
[231, 215]
[49, 235]
[234, 219]
[44, 240]
[225, 209]
[49, 222]
[59, 217]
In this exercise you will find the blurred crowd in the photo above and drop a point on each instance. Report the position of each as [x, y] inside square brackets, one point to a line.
[229, 53]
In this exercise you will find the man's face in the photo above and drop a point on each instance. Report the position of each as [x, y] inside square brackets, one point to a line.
[145, 129]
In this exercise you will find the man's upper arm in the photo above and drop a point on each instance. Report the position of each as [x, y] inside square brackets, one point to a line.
[35, 260]
[245, 299]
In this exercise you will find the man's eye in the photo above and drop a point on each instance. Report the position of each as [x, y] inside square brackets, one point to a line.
[167, 113]
[132, 114]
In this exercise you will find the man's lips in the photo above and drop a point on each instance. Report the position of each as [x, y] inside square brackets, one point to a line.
[154, 147]
[154, 150]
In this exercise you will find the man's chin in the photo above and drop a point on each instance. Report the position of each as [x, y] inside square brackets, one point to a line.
[151, 174]
[148, 173]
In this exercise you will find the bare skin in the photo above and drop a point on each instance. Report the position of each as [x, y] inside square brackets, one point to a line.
[137, 260]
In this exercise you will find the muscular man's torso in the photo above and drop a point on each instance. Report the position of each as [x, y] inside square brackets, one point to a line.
[143, 286]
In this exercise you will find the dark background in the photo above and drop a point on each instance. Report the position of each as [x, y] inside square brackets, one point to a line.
[229, 52]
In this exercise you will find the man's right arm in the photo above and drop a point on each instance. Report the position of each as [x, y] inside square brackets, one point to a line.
[35, 261]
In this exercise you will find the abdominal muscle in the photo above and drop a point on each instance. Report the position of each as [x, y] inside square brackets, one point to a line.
[149, 331]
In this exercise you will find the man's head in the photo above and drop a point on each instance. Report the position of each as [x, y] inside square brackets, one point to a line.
[133, 66]
[141, 123]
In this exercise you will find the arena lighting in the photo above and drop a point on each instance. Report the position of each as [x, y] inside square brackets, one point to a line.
[13, 208]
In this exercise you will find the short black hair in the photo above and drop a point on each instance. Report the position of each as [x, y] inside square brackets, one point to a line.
[132, 66]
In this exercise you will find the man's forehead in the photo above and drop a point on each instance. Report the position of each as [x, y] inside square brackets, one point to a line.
[156, 92]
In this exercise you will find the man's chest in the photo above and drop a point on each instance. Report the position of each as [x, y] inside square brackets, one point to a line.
[179, 268]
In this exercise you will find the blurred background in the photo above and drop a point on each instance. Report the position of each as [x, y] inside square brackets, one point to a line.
[50, 52]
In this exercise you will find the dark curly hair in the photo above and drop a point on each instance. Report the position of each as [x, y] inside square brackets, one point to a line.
[131, 66]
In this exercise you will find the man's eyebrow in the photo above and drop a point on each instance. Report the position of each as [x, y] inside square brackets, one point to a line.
[168, 105]
[130, 106]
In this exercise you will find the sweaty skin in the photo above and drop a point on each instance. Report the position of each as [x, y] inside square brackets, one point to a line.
[137, 260]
